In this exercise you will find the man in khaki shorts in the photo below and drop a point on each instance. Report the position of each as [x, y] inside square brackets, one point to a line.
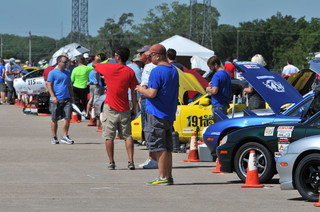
[116, 112]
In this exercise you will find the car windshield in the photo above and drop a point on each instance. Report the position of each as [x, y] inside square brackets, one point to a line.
[306, 108]
[36, 73]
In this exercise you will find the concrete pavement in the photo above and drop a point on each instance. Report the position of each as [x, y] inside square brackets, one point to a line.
[38, 176]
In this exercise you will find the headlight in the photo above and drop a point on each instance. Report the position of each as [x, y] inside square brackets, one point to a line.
[224, 140]
[285, 151]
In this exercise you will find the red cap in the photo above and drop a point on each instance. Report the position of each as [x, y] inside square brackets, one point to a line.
[156, 48]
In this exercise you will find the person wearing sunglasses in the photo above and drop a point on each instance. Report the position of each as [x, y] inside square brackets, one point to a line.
[60, 90]
[161, 106]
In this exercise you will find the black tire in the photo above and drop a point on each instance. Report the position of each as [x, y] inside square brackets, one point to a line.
[266, 164]
[306, 175]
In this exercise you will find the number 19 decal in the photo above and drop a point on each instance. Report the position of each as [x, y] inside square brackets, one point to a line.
[201, 121]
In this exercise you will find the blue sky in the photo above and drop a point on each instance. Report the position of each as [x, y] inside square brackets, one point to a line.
[53, 17]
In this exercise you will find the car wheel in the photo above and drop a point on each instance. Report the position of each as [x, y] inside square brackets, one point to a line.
[264, 160]
[307, 177]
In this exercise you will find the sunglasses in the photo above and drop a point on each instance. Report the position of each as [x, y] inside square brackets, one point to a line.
[65, 61]
[153, 54]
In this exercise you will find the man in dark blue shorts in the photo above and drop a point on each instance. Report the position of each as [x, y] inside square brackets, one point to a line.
[161, 106]
[60, 89]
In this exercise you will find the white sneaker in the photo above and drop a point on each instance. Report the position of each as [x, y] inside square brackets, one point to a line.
[152, 164]
[66, 140]
[144, 163]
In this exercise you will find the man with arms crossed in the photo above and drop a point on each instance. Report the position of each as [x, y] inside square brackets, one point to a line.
[161, 106]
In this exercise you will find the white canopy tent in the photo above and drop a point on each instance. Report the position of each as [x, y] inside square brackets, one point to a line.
[188, 48]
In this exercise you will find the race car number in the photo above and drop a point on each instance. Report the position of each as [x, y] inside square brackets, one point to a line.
[32, 82]
[201, 121]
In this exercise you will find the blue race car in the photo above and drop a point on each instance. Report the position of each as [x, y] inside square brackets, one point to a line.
[275, 90]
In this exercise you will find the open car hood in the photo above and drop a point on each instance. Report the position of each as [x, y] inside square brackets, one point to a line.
[274, 89]
[188, 82]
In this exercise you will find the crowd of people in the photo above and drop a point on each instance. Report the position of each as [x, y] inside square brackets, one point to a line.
[149, 84]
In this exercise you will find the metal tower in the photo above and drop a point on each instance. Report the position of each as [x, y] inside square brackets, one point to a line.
[193, 16]
[80, 16]
[75, 16]
[207, 32]
[84, 17]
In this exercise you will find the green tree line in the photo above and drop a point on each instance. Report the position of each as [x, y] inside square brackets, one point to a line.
[277, 38]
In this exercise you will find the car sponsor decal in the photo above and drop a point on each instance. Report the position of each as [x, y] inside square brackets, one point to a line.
[282, 144]
[269, 131]
[273, 85]
[199, 121]
[178, 111]
[188, 130]
[285, 131]
[252, 66]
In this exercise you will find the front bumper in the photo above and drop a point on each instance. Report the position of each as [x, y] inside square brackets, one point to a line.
[286, 172]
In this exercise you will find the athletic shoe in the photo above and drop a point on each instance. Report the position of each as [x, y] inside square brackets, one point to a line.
[66, 140]
[159, 181]
[54, 140]
[131, 166]
[151, 164]
[112, 166]
[144, 163]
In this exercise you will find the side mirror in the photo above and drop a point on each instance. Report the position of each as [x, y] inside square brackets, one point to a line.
[204, 102]
[24, 78]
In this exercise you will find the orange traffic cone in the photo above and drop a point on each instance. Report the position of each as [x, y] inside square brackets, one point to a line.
[193, 155]
[252, 179]
[93, 120]
[218, 165]
[74, 118]
[318, 203]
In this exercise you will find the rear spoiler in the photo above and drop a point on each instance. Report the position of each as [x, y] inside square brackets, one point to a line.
[247, 112]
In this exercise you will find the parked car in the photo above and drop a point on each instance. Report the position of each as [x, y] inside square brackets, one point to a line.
[299, 167]
[190, 117]
[285, 101]
[269, 141]
[31, 83]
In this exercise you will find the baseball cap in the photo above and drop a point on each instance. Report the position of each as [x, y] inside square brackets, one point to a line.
[86, 55]
[156, 48]
[136, 58]
[144, 49]
[12, 60]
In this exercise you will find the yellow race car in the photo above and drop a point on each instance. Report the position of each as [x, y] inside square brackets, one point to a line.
[192, 117]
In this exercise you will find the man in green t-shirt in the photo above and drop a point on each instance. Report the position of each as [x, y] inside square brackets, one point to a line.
[79, 78]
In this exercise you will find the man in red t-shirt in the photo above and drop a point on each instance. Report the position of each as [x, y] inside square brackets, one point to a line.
[46, 72]
[230, 68]
[116, 111]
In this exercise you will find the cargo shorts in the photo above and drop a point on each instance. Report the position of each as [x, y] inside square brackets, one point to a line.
[114, 120]
[158, 134]
[61, 110]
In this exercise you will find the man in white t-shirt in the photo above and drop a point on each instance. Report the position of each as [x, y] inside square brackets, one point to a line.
[289, 70]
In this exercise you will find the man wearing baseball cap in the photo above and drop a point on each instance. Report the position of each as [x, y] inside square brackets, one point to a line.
[161, 106]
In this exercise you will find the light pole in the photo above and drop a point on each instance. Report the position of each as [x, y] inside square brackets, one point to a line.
[30, 62]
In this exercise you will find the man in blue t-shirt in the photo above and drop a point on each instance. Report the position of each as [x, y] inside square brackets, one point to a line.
[60, 89]
[220, 87]
[161, 106]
